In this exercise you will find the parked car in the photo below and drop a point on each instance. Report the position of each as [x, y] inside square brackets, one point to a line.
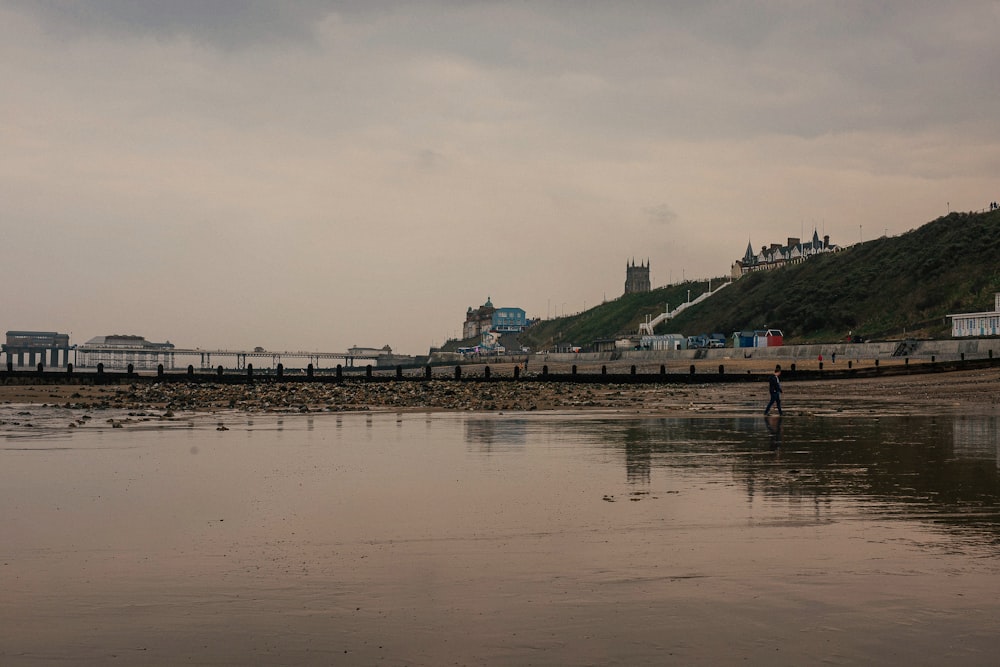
[697, 342]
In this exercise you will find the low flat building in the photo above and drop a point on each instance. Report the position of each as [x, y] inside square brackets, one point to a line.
[664, 342]
[120, 350]
[46, 347]
[369, 352]
[987, 323]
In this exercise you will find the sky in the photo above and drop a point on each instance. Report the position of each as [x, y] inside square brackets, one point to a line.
[316, 175]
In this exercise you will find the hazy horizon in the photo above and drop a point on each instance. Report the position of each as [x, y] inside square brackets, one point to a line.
[317, 175]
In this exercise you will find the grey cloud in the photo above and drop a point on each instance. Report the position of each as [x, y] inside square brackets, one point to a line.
[729, 69]
[428, 159]
[224, 23]
[708, 70]
[661, 214]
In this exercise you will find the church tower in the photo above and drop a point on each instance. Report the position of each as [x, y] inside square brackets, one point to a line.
[637, 278]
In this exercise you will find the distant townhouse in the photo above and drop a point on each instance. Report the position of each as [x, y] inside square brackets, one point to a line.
[776, 255]
[977, 324]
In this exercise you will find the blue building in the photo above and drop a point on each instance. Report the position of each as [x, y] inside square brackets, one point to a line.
[509, 320]
[488, 318]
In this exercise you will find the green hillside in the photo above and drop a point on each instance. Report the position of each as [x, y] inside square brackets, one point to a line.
[620, 317]
[888, 288]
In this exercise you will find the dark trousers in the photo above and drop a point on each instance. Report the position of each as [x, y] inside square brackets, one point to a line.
[775, 400]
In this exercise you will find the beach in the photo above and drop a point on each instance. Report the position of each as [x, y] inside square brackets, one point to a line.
[973, 392]
[500, 523]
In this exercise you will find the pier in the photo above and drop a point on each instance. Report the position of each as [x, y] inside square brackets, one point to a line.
[56, 352]
[89, 356]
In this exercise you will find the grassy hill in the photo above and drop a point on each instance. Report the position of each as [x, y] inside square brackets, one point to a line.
[894, 287]
[620, 317]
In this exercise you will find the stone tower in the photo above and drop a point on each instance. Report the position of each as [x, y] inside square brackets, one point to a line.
[637, 278]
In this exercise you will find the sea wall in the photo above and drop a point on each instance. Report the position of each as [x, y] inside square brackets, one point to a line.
[940, 350]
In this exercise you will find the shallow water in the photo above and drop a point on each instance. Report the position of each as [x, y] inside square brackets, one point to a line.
[428, 539]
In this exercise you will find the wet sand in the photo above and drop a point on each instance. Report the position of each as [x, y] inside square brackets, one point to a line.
[606, 525]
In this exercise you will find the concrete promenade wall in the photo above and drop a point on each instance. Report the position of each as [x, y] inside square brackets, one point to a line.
[790, 352]
[941, 350]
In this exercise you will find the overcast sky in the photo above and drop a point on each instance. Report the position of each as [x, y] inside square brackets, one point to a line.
[315, 175]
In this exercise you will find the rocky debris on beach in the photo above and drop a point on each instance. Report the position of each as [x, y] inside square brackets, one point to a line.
[439, 395]
[974, 391]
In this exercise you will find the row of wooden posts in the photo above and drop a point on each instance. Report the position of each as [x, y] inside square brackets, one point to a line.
[487, 371]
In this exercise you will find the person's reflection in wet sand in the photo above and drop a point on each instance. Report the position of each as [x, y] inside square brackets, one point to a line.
[773, 424]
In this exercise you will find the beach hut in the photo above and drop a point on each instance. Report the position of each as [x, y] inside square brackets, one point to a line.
[743, 339]
[768, 338]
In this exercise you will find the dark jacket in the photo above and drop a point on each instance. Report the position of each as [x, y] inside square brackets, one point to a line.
[774, 384]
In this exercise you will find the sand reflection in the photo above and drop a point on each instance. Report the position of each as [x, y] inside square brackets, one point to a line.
[502, 539]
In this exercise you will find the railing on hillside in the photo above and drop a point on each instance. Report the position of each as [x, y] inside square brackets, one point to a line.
[646, 328]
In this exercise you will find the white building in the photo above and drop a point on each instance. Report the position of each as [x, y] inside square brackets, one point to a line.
[977, 324]
[663, 342]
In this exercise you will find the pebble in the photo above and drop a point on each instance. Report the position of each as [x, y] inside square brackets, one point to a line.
[355, 396]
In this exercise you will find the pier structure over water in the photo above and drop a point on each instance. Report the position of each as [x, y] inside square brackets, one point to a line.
[48, 349]
[90, 355]
[122, 351]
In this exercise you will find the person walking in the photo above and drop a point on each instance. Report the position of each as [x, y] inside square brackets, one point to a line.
[774, 387]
